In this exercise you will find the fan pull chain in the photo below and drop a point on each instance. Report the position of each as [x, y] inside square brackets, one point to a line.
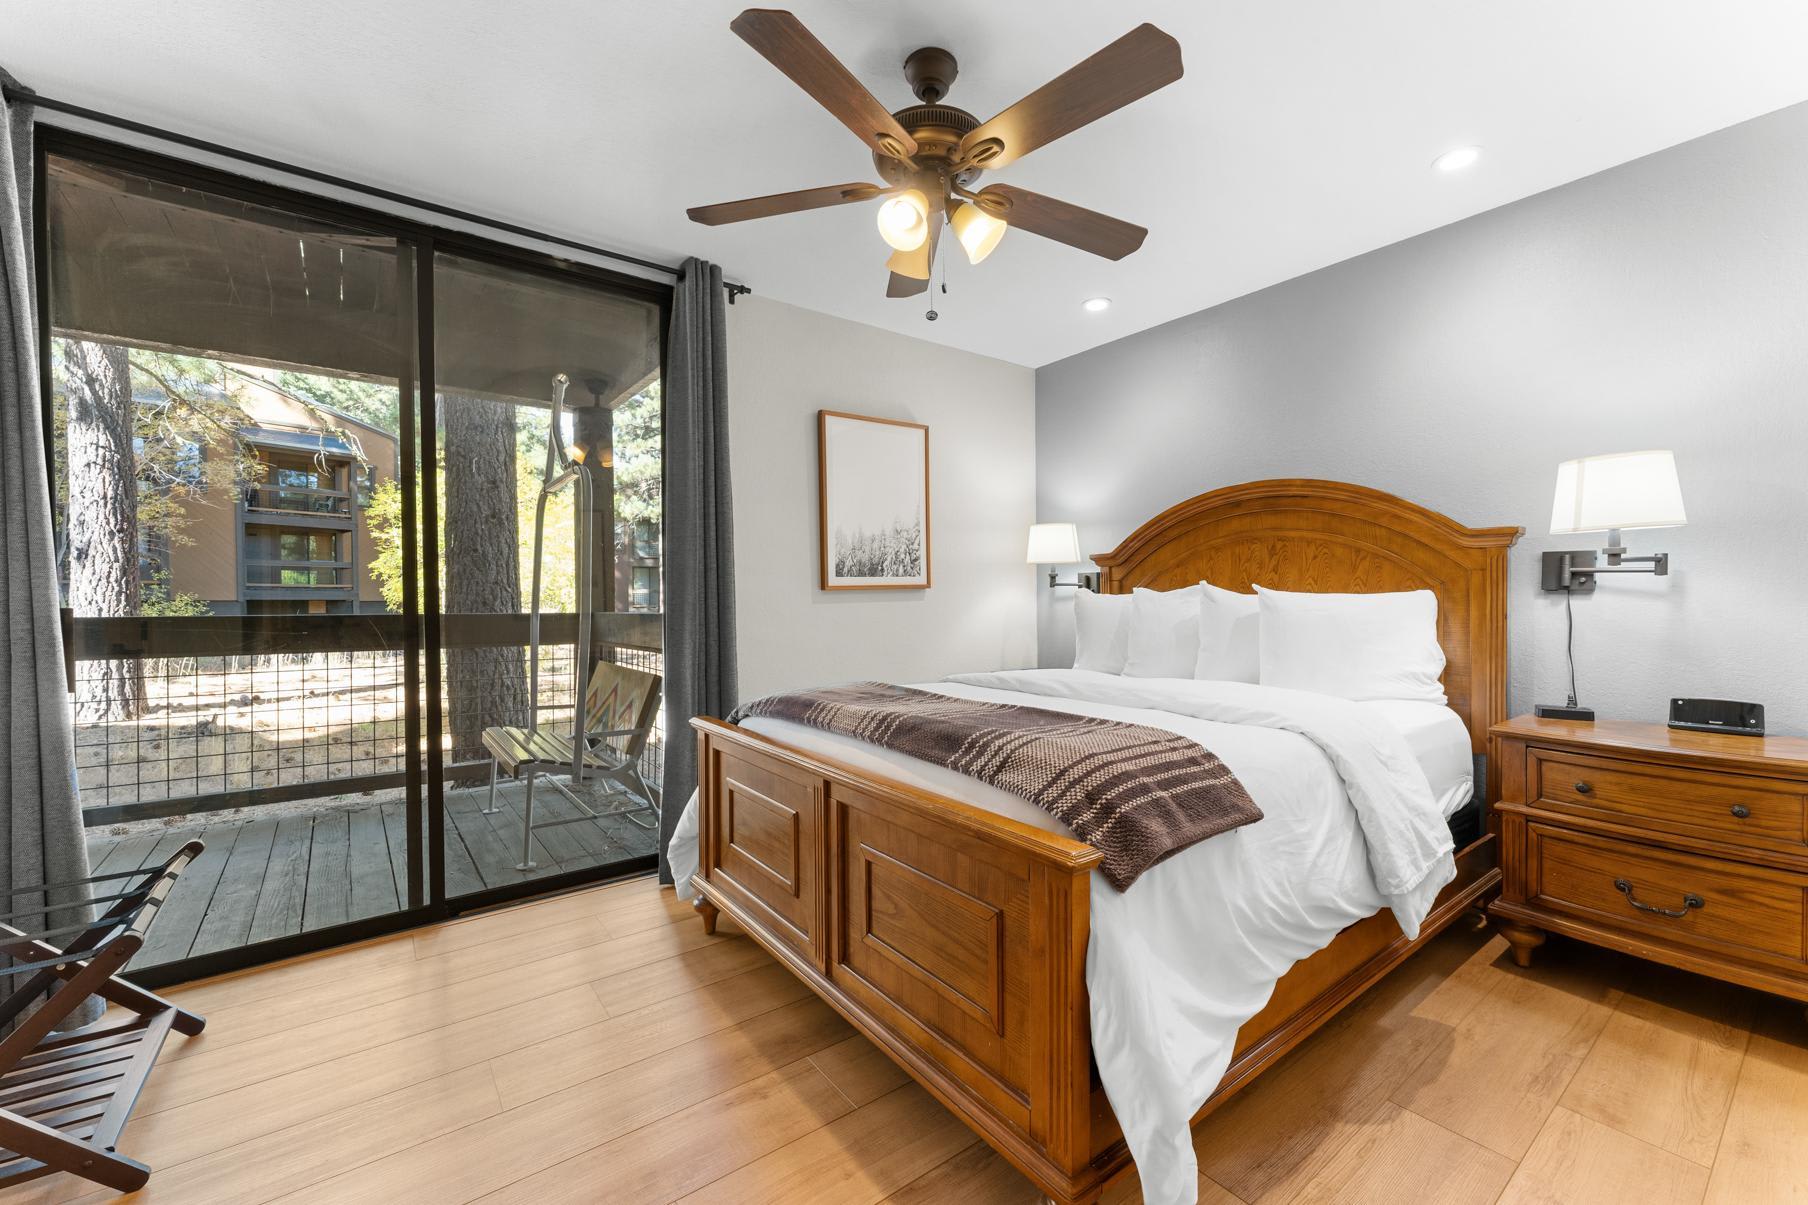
[930, 315]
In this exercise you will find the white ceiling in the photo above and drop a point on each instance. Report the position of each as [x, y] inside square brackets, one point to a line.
[1301, 135]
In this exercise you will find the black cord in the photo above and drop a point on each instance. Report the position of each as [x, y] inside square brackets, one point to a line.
[1569, 614]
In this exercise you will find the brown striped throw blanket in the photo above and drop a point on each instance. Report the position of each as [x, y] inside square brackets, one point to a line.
[1134, 793]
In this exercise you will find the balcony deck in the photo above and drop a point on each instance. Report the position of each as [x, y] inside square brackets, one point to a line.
[269, 877]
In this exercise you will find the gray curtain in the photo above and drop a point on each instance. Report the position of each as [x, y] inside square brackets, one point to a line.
[699, 533]
[40, 818]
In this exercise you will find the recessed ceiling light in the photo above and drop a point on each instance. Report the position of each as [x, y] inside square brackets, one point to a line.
[1457, 159]
[1096, 305]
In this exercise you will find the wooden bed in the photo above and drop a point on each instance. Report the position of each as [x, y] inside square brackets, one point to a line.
[956, 939]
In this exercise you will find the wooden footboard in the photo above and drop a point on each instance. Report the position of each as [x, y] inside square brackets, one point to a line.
[952, 937]
[956, 939]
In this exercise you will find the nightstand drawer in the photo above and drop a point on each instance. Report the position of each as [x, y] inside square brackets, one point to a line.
[1731, 807]
[1686, 898]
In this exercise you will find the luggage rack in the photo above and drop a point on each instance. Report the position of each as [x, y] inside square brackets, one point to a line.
[65, 1097]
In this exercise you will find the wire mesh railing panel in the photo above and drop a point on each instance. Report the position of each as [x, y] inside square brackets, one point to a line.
[206, 726]
[165, 736]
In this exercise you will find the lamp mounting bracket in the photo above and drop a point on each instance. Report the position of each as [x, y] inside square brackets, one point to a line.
[1573, 571]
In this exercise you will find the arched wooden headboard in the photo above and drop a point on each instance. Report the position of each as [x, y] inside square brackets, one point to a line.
[1329, 537]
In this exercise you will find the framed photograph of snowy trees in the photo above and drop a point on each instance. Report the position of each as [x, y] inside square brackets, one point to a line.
[874, 480]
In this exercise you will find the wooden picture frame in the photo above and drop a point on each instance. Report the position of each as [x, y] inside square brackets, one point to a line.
[859, 458]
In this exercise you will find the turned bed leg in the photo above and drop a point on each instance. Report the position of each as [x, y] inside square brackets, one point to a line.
[1524, 939]
[708, 912]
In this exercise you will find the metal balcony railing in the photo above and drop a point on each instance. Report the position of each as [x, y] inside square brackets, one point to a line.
[295, 499]
[310, 575]
[187, 715]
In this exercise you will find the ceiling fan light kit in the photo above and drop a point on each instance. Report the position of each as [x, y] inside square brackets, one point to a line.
[931, 154]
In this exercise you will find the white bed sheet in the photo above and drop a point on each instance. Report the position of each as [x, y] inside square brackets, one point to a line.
[1439, 741]
[1180, 961]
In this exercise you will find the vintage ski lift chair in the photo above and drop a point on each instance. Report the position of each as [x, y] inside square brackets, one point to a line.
[612, 718]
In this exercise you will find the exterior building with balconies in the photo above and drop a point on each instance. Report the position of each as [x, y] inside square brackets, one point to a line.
[296, 539]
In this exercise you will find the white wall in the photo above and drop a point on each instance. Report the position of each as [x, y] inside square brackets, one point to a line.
[1661, 304]
[784, 365]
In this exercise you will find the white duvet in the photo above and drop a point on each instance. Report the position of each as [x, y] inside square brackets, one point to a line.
[1180, 961]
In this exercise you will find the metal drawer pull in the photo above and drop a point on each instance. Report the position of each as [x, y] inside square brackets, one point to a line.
[1689, 900]
[1583, 788]
[1741, 811]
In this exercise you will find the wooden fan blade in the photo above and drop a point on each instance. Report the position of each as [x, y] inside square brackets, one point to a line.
[784, 42]
[783, 202]
[1083, 228]
[905, 286]
[1142, 61]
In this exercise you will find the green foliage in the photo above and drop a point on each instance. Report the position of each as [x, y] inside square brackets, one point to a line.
[155, 599]
[639, 464]
[559, 587]
[367, 401]
[638, 483]
[385, 519]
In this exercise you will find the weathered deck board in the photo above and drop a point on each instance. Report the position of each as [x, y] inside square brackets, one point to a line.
[328, 898]
[373, 879]
[285, 888]
[179, 920]
[273, 877]
[234, 900]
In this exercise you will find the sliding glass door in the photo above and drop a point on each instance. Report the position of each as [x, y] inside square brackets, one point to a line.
[507, 339]
[297, 451]
[226, 417]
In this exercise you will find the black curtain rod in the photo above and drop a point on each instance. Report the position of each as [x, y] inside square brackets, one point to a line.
[24, 96]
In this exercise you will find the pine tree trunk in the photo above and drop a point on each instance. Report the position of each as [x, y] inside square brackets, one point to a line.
[103, 519]
[483, 567]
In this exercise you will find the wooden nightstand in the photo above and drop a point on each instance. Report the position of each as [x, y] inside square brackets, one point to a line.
[1688, 848]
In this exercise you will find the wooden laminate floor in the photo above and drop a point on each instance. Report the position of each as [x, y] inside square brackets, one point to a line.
[598, 1047]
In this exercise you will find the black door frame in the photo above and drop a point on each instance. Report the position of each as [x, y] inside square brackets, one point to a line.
[417, 444]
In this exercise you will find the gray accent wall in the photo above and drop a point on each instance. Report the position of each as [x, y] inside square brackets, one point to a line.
[1660, 304]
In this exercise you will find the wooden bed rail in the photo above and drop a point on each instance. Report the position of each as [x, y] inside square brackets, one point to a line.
[952, 937]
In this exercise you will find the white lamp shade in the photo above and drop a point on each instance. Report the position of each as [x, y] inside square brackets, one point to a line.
[977, 231]
[1623, 490]
[1054, 544]
[904, 220]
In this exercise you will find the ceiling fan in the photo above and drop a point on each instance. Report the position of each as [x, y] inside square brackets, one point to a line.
[931, 154]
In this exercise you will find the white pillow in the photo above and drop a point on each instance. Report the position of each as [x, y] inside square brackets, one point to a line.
[1355, 646]
[1101, 631]
[1230, 636]
[1164, 633]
